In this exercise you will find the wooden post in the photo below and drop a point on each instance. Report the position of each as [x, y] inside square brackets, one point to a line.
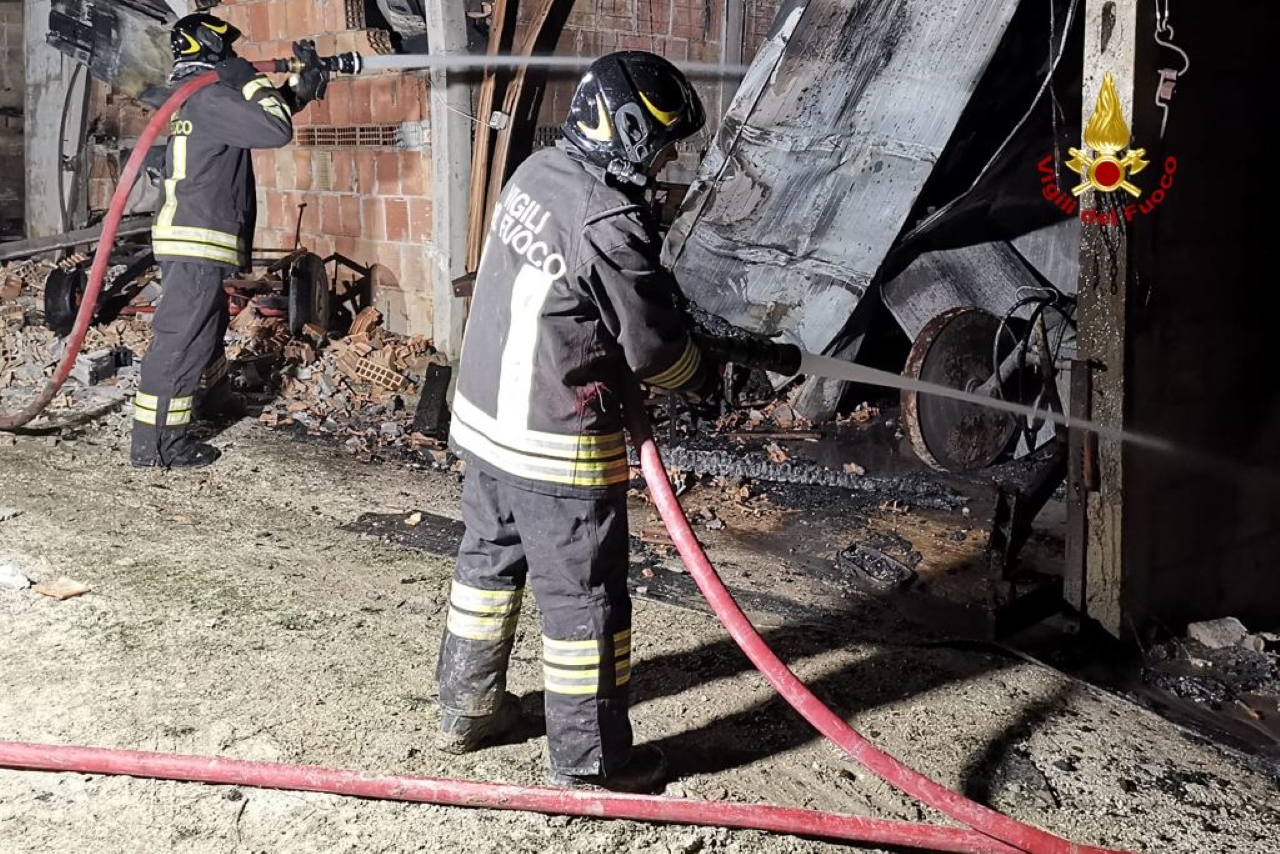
[1096, 521]
[493, 89]
[450, 123]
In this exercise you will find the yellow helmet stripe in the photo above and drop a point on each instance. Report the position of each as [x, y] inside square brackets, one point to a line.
[667, 118]
[194, 45]
[603, 131]
[222, 30]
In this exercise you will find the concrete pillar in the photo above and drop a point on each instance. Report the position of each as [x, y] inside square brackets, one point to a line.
[48, 74]
[451, 160]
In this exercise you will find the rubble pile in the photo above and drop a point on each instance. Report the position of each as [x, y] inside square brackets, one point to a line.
[105, 373]
[361, 388]
[1223, 667]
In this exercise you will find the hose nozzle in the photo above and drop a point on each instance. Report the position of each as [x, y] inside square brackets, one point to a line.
[343, 63]
[754, 351]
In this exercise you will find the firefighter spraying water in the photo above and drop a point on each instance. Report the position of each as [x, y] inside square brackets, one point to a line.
[571, 304]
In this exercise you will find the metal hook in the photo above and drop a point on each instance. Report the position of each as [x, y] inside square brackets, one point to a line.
[1168, 77]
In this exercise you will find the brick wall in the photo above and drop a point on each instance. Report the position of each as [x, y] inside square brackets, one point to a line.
[12, 92]
[680, 30]
[358, 162]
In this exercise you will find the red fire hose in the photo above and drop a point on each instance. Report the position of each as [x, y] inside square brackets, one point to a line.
[992, 831]
[1024, 837]
[465, 793]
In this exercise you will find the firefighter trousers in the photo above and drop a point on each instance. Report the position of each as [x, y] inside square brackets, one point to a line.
[186, 355]
[574, 551]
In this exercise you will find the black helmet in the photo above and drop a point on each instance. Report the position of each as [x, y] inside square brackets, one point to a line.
[202, 38]
[627, 109]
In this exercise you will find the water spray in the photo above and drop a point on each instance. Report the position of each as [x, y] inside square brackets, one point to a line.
[486, 62]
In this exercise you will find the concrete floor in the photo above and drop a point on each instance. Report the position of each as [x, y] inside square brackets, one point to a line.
[231, 615]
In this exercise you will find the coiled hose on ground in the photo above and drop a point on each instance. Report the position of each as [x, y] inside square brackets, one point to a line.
[992, 832]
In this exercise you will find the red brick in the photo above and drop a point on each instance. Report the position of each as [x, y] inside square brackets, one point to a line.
[350, 207]
[365, 171]
[369, 251]
[415, 174]
[276, 213]
[411, 97]
[646, 42]
[304, 18]
[387, 166]
[310, 216]
[397, 214]
[282, 165]
[259, 23]
[383, 101]
[289, 208]
[420, 211]
[278, 18]
[330, 215]
[319, 111]
[339, 100]
[677, 50]
[346, 246]
[302, 169]
[332, 16]
[320, 244]
[689, 20]
[361, 106]
[344, 169]
[654, 15]
[264, 168]
[582, 17]
[269, 209]
[371, 214]
[237, 15]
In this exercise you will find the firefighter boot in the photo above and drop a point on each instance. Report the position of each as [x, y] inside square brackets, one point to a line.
[645, 773]
[152, 448]
[467, 733]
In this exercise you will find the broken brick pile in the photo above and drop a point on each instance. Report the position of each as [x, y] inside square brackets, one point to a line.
[361, 389]
[104, 375]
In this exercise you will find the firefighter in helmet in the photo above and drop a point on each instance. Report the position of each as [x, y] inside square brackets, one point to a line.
[571, 303]
[204, 231]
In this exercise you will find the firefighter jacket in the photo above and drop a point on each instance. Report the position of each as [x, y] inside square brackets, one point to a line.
[570, 299]
[210, 199]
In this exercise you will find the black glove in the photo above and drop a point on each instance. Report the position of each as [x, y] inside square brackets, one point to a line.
[313, 81]
[235, 71]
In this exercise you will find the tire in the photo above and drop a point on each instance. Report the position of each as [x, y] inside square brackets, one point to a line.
[310, 300]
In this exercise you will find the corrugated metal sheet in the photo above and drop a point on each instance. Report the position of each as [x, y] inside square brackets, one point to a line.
[822, 154]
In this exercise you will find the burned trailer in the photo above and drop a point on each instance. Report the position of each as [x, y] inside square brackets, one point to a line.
[884, 161]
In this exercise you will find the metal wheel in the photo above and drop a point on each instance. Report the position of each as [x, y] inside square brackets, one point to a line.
[955, 350]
